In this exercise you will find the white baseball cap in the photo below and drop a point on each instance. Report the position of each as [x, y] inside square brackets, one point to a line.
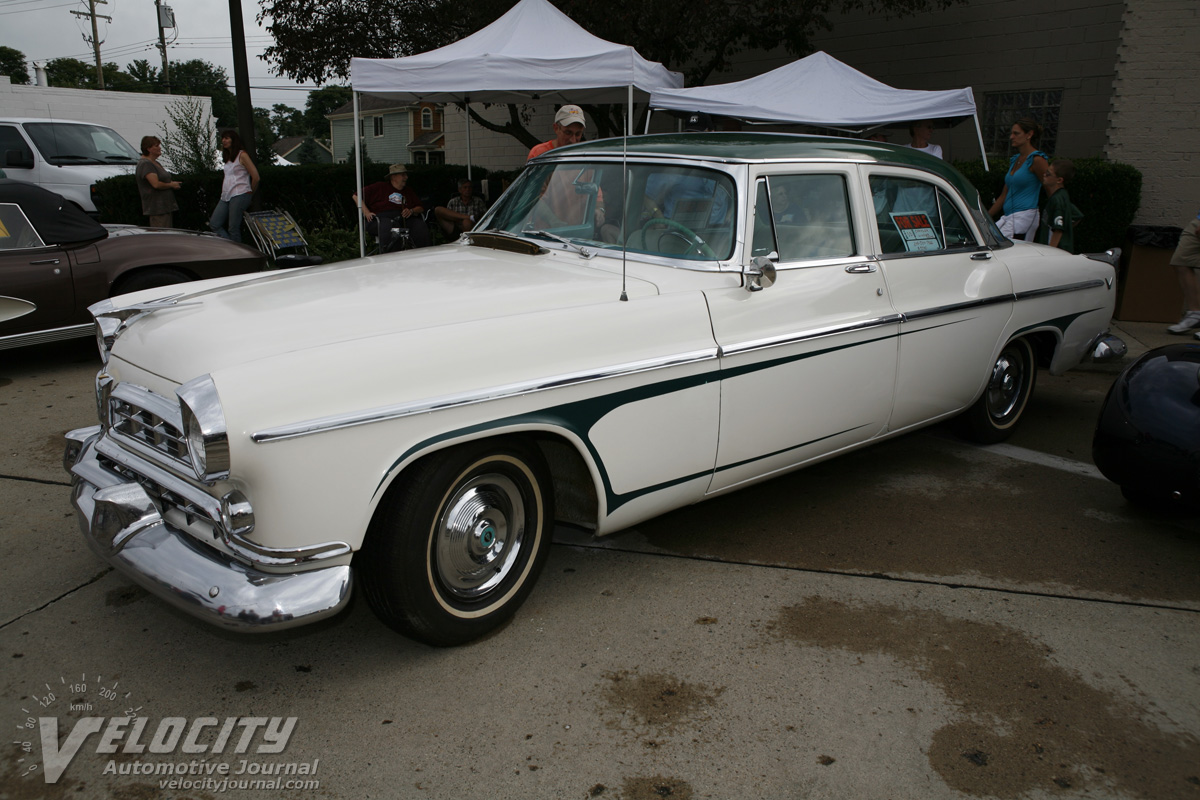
[568, 115]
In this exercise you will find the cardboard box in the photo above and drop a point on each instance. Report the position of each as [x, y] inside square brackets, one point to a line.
[1148, 290]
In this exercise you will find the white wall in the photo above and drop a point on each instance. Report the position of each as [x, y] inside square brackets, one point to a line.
[130, 114]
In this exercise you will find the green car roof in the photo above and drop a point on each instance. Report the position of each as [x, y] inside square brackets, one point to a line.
[752, 147]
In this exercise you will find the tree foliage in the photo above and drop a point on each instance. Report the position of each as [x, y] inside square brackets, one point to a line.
[71, 73]
[190, 141]
[12, 64]
[321, 102]
[315, 39]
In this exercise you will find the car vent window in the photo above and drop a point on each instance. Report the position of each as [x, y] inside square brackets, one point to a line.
[764, 230]
[811, 215]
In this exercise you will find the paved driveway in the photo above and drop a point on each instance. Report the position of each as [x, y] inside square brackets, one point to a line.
[923, 619]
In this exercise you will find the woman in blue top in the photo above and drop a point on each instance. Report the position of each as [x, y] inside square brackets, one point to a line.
[1022, 183]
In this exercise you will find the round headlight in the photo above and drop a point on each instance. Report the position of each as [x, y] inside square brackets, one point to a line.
[204, 428]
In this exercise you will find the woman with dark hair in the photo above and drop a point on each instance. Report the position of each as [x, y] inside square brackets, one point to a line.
[1018, 202]
[155, 185]
[241, 179]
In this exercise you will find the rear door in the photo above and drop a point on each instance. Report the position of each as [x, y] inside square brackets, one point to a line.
[953, 294]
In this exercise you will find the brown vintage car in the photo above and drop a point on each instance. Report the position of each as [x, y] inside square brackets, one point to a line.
[55, 261]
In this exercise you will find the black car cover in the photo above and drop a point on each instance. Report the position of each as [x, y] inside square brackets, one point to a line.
[56, 220]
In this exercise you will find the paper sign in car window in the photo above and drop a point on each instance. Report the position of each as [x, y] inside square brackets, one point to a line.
[4, 234]
[917, 231]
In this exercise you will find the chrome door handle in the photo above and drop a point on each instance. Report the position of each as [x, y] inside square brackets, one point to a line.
[980, 256]
[856, 269]
[45, 261]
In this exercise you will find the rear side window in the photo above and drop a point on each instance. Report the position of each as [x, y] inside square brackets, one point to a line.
[914, 216]
[16, 232]
[803, 217]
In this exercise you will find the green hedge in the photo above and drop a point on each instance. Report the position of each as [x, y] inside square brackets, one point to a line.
[1107, 192]
[316, 195]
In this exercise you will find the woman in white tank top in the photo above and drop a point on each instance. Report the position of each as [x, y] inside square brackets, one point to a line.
[241, 179]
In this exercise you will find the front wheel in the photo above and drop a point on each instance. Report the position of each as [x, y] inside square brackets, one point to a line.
[456, 548]
[995, 414]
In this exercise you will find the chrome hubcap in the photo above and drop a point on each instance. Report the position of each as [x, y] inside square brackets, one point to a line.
[1004, 389]
[479, 535]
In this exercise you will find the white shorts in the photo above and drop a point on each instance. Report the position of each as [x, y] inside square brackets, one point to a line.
[1020, 224]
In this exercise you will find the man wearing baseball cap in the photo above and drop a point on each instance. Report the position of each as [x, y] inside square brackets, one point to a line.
[568, 129]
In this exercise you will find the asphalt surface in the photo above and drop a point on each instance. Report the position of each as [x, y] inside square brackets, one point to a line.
[920, 619]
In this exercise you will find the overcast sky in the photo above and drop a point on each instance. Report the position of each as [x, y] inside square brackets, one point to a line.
[46, 29]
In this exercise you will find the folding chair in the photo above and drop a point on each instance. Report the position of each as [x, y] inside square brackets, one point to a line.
[275, 231]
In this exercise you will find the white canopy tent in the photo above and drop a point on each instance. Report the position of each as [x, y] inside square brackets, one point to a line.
[820, 90]
[532, 54]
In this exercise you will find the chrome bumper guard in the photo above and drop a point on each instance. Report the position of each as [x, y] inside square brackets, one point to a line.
[124, 527]
[1106, 347]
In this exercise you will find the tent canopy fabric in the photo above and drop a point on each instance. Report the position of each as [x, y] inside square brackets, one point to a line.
[532, 53]
[817, 90]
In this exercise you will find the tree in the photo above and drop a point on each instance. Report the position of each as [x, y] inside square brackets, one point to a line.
[321, 102]
[287, 121]
[12, 64]
[309, 153]
[199, 77]
[264, 137]
[315, 39]
[145, 77]
[190, 142]
[72, 73]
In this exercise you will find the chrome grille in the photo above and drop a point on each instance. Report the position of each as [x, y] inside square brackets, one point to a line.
[162, 497]
[150, 420]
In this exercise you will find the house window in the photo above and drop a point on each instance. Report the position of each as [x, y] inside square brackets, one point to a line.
[419, 157]
[378, 126]
[1002, 109]
[426, 119]
[437, 157]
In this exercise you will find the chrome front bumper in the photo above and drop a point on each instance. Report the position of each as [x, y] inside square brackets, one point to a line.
[124, 527]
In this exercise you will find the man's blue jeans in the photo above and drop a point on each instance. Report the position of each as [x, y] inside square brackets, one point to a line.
[226, 221]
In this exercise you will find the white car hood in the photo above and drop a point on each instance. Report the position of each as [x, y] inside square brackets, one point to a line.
[294, 310]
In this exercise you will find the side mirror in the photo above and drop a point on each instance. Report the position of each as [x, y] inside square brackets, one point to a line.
[761, 273]
[18, 159]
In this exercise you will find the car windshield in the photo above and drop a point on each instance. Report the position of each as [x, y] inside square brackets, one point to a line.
[74, 143]
[679, 212]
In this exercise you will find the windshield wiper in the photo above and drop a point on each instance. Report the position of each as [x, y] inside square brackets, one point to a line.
[124, 159]
[583, 251]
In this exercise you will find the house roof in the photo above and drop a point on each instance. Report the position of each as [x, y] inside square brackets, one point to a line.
[368, 103]
[429, 139]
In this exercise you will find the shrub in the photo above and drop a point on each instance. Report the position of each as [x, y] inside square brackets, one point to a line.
[1107, 192]
[318, 196]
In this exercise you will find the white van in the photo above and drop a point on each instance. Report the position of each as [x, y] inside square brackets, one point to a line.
[64, 156]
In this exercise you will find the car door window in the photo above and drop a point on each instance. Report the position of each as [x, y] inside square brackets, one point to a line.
[12, 141]
[915, 216]
[16, 232]
[803, 217]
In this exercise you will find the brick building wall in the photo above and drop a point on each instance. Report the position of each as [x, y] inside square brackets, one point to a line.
[1154, 123]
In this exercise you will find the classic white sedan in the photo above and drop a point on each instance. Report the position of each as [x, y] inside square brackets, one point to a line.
[626, 332]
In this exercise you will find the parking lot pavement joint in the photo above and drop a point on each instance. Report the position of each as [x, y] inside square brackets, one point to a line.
[52, 601]
[946, 584]
[42, 481]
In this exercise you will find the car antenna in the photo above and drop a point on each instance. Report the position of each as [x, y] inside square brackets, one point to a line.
[625, 193]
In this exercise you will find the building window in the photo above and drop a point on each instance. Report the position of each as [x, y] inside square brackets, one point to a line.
[437, 157]
[426, 119]
[419, 157]
[378, 126]
[1002, 109]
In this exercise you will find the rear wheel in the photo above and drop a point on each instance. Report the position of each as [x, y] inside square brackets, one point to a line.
[148, 279]
[456, 548]
[996, 413]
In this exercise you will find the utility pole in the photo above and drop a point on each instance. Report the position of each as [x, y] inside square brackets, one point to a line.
[95, 40]
[241, 77]
[166, 19]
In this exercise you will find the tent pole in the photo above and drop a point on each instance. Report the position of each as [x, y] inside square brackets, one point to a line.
[649, 112]
[358, 180]
[982, 151]
[467, 111]
[629, 114]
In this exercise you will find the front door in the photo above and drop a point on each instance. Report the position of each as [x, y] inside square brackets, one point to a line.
[32, 272]
[808, 364]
